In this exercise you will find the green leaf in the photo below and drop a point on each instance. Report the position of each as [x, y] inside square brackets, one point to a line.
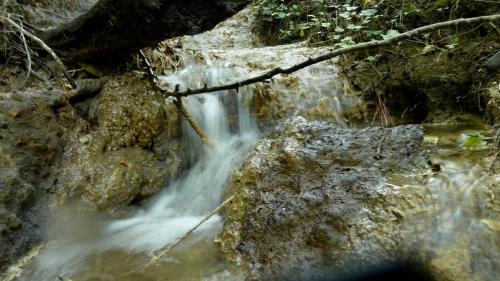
[339, 29]
[428, 49]
[368, 12]
[390, 33]
[354, 27]
[326, 24]
[473, 142]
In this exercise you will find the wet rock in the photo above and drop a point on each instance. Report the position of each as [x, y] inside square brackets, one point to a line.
[47, 14]
[110, 180]
[128, 148]
[493, 63]
[313, 196]
[30, 146]
[493, 94]
[131, 113]
[453, 263]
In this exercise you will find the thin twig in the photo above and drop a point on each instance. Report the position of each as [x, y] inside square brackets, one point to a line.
[358, 47]
[7, 20]
[164, 252]
[28, 55]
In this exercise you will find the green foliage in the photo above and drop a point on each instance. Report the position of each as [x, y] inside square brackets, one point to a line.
[346, 22]
[338, 22]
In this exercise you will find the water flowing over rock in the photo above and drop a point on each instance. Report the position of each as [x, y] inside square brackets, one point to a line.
[314, 93]
[313, 198]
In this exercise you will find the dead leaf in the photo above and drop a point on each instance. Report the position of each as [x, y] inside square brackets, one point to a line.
[492, 224]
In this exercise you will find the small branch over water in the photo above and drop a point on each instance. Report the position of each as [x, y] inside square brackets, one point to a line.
[334, 53]
[169, 248]
[178, 102]
[163, 252]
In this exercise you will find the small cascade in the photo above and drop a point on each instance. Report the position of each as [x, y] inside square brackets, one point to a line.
[185, 202]
[228, 120]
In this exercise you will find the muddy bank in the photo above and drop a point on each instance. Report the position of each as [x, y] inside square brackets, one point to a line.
[30, 148]
[313, 196]
[431, 79]
[425, 83]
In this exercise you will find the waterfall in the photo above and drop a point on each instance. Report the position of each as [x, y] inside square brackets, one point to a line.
[182, 204]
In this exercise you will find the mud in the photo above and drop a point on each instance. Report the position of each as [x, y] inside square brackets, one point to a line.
[30, 147]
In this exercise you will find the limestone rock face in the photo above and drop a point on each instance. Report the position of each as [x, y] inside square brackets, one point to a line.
[314, 195]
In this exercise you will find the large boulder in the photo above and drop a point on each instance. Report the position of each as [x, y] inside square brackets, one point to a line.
[314, 196]
[128, 148]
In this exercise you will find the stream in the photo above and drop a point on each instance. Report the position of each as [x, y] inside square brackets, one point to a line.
[459, 190]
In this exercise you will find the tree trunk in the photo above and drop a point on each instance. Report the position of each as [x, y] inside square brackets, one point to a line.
[113, 29]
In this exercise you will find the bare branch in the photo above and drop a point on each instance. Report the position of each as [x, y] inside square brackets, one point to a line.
[163, 252]
[334, 53]
[178, 102]
[166, 250]
[197, 129]
[7, 20]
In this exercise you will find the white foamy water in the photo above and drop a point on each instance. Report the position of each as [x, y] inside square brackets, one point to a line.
[223, 55]
[182, 204]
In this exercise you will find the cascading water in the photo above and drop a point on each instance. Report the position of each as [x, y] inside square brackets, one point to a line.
[115, 248]
[185, 202]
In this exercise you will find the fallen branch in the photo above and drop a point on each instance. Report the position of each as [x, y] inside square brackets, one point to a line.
[60, 64]
[178, 102]
[163, 252]
[311, 61]
[15, 270]
[28, 56]
[169, 248]
[197, 129]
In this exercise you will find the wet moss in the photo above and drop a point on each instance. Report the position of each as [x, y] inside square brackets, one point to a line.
[130, 149]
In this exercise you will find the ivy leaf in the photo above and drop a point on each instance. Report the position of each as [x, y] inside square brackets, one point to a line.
[390, 33]
[354, 27]
[368, 12]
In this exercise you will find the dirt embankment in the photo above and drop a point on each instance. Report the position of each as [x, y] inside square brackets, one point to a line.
[440, 77]
[30, 148]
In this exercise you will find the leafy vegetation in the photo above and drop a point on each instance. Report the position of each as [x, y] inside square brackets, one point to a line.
[346, 22]
[341, 23]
